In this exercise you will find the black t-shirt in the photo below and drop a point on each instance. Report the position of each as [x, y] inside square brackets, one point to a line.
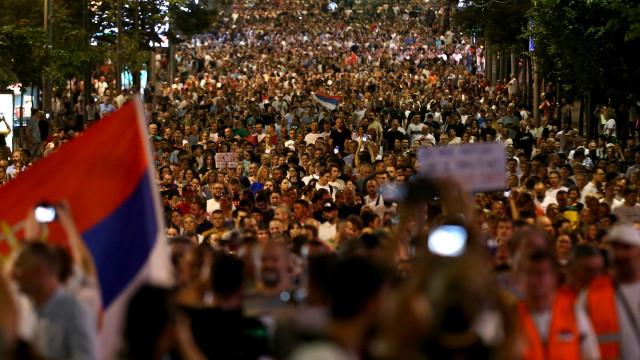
[340, 137]
[347, 210]
[524, 141]
[227, 334]
[171, 193]
[204, 226]
[488, 130]
[391, 137]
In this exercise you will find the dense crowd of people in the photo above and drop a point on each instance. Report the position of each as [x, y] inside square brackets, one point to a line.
[322, 240]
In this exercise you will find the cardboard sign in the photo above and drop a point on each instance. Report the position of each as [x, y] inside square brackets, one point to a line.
[226, 160]
[477, 167]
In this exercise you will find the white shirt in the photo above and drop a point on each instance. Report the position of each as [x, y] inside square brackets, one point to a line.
[552, 193]
[212, 205]
[415, 131]
[327, 231]
[373, 203]
[587, 190]
[627, 214]
[311, 138]
[610, 125]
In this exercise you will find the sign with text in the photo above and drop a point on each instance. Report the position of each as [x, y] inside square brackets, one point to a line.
[226, 160]
[477, 167]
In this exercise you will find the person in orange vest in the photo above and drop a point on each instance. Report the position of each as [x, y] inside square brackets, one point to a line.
[613, 302]
[586, 263]
[551, 326]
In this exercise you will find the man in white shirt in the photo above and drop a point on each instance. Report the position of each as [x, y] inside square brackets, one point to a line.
[213, 204]
[415, 128]
[373, 198]
[311, 137]
[323, 182]
[327, 229]
[629, 211]
[593, 185]
[554, 181]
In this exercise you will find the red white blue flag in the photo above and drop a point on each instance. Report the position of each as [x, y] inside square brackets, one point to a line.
[328, 101]
[107, 176]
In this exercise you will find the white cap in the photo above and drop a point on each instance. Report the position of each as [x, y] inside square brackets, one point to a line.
[625, 234]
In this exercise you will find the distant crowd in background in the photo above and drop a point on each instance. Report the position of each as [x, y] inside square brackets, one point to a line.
[303, 249]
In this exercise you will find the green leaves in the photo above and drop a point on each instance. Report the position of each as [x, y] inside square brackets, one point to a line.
[23, 55]
[502, 23]
[591, 45]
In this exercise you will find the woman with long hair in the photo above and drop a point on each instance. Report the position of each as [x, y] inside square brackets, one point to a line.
[284, 185]
[176, 221]
[189, 225]
[512, 182]
[209, 179]
[208, 164]
[263, 175]
[188, 174]
[295, 178]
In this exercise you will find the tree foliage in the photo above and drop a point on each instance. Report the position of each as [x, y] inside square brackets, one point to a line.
[591, 46]
[500, 22]
[24, 53]
[142, 21]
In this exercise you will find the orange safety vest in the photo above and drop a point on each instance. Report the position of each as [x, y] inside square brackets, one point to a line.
[601, 307]
[563, 342]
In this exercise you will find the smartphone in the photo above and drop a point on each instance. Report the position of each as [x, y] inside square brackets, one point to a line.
[507, 193]
[336, 150]
[448, 240]
[364, 137]
[45, 213]
[47, 115]
[228, 108]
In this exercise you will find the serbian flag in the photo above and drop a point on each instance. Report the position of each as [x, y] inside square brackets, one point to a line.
[339, 30]
[107, 176]
[328, 101]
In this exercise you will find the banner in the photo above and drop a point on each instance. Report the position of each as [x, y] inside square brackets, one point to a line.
[477, 167]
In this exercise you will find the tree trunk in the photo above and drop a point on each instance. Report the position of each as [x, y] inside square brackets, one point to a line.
[514, 70]
[172, 62]
[494, 68]
[47, 88]
[536, 94]
[118, 62]
[488, 62]
[581, 116]
[590, 118]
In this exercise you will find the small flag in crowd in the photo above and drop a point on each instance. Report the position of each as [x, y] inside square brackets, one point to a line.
[328, 101]
[339, 30]
[107, 177]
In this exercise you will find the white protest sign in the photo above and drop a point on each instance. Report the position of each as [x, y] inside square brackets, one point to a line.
[477, 167]
[226, 160]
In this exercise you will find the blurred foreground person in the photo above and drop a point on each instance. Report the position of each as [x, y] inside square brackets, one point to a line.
[65, 328]
[550, 324]
[613, 302]
[222, 332]
[8, 319]
[154, 329]
[357, 296]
